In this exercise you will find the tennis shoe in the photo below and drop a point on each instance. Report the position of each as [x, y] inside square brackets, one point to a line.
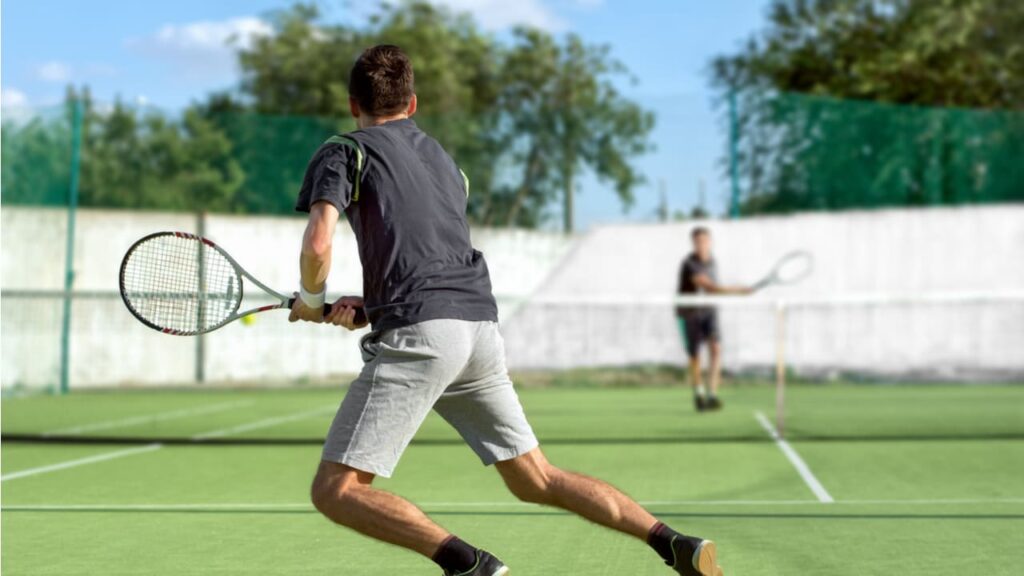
[699, 403]
[486, 565]
[694, 557]
[713, 403]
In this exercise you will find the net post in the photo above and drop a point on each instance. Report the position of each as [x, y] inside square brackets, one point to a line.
[69, 246]
[200, 367]
[780, 367]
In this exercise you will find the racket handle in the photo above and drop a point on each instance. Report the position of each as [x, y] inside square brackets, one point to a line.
[360, 311]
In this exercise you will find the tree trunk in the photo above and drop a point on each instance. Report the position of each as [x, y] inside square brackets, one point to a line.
[532, 163]
[567, 214]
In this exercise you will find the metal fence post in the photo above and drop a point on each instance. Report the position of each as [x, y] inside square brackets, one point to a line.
[69, 250]
[780, 368]
[200, 368]
[734, 137]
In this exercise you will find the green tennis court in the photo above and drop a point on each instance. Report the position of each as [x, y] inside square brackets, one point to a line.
[927, 481]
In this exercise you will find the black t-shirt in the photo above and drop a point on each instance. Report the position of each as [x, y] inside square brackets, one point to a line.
[406, 201]
[691, 267]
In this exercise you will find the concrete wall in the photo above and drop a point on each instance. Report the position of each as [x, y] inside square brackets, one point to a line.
[547, 285]
[916, 253]
[109, 347]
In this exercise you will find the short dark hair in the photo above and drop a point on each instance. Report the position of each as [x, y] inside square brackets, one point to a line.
[699, 231]
[382, 81]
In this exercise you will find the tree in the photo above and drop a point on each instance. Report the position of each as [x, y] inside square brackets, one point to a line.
[133, 159]
[302, 71]
[36, 160]
[949, 53]
[522, 119]
[562, 113]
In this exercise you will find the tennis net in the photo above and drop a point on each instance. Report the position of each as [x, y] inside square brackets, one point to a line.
[879, 367]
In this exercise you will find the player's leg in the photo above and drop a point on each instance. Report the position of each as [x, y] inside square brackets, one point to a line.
[346, 496]
[715, 374]
[485, 409]
[532, 478]
[715, 361]
[693, 335]
[407, 369]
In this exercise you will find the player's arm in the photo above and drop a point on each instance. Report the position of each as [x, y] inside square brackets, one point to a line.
[315, 262]
[709, 286]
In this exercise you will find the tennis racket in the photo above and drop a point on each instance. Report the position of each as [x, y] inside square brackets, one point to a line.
[790, 269]
[185, 285]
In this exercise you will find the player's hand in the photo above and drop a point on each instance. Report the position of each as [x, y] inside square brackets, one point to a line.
[343, 313]
[302, 312]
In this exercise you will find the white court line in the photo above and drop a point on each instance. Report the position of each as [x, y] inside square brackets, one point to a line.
[158, 417]
[79, 462]
[265, 423]
[893, 502]
[795, 459]
[228, 506]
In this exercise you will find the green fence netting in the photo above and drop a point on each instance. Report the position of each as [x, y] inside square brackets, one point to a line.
[36, 162]
[799, 152]
[793, 153]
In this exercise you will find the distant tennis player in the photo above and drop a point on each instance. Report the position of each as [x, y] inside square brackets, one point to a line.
[435, 341]
[698, 274]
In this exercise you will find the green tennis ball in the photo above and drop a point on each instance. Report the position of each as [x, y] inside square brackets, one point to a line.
[249, 320]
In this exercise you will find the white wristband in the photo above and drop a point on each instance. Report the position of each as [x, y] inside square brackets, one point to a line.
[311, 300]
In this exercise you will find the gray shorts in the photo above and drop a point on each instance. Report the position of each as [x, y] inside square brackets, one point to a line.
[455, 367]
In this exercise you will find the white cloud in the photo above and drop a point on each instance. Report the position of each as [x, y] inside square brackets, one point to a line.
[504, 14]
[54, 71]
[15, 106]
[13, 98]
[210, 36]
[202, 48]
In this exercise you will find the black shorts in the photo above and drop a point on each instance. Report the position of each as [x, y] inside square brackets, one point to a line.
[697, 329]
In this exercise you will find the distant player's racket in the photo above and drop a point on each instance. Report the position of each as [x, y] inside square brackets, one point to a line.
[183, 284]
[790, 269]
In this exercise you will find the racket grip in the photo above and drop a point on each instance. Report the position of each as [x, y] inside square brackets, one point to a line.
[360, 311]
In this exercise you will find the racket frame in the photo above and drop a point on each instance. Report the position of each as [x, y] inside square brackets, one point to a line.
[284, 301]
[772, 278]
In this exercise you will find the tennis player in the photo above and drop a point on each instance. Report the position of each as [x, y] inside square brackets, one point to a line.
[434, 342]
[698, 274]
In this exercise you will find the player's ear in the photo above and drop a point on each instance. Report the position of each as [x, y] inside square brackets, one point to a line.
[353, 107]
[412, 106]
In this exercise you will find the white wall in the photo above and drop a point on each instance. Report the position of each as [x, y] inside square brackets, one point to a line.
[892, 252]
[109, 347]
[544, 282]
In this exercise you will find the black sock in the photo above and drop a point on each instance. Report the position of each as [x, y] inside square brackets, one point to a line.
[455, 556]
[660, 538]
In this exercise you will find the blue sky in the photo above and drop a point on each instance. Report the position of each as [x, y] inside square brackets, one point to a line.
[167, 54]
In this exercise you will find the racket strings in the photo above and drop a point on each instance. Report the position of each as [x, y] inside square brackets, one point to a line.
[181, 284]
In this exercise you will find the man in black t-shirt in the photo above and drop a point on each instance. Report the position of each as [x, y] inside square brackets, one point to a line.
[434, 342]
[698, 274]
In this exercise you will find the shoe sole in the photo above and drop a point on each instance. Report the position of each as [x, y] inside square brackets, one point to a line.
[503, 571]
[705, 559]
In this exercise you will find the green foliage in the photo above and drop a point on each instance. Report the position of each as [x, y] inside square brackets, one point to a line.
[522, 119]
[36, 159]
[135, 159]
[129, 159]
[557, 112]
[928, 52]
[816, 153]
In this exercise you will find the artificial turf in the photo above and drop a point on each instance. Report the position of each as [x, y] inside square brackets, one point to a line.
[926, 481]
